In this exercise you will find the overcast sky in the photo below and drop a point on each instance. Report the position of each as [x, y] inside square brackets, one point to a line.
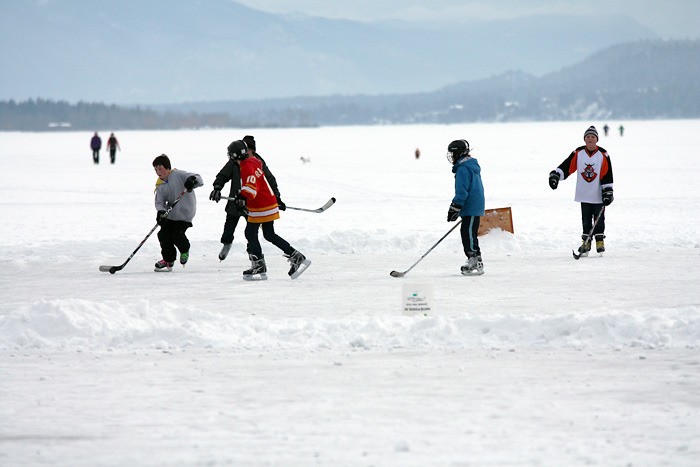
[670, 19]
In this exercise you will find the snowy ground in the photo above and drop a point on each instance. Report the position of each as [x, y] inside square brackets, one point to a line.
[542, 361]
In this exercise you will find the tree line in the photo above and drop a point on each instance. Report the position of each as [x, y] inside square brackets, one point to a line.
[642, 80]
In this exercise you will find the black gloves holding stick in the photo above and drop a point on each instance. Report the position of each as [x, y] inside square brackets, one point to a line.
[607, 196]
[160, 217]
[453, 212]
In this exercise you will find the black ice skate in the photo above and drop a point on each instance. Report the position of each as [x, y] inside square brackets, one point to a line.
[299, 264]
[257, 271]
[585, 245]
[224, 251]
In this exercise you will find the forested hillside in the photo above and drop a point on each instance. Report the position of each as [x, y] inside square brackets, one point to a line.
[640, 80]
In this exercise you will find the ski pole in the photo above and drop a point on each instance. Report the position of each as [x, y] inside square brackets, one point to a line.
[113, 269]
[401, 274]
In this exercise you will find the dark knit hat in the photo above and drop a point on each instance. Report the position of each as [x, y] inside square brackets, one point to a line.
[591, 131]
[250, 141]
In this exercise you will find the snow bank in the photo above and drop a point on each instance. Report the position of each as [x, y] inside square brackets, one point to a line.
[86, 325]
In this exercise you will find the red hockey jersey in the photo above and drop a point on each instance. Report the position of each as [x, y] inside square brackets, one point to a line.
[260, 200]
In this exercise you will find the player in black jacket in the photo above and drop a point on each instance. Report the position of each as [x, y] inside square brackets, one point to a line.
[231, 172]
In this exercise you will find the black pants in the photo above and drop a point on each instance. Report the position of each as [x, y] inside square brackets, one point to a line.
[96, 156]
[589, 212]
[268, 228]
[230, 227]
[171, 235]
[113, 154]
[469, 229]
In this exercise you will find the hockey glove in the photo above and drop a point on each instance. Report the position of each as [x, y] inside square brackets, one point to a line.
[607, 196]
[189, 183]
[553, 179]
[160, 217]
[281, 204]
[453, 212]
[215, 195]
[240, 202]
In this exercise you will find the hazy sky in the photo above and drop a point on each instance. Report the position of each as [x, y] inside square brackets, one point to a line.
[670, 19]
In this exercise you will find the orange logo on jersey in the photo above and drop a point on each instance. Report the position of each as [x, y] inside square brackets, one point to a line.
[588, 173]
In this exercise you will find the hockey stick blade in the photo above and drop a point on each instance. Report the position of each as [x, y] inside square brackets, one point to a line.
[328, 204]
[397, 274]
[576, 257]
[111, 269]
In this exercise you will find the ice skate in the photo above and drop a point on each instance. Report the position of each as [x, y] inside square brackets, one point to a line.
[585, 245]
[299, 264]
[474, 266]
[257, 271]
[163, 266]
[184, 257]
[599, 244]
[224, 251]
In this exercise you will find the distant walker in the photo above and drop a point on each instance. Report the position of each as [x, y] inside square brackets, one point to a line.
[96, 145]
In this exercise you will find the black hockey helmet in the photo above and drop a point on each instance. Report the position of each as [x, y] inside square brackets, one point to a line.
[457, 149]
[237, 150]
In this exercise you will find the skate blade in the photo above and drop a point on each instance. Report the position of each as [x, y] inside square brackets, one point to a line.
[164, 270]
[472, 273]
[302, 267]
[255, 277]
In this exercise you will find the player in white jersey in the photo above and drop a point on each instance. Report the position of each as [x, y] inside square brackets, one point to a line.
[594, 187]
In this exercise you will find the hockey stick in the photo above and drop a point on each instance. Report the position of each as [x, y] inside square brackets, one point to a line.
[401, 274]
[328, 204]
[113, 269]
[590, 234]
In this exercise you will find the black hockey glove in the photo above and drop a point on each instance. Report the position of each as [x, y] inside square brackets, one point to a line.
[215, 195]
[160, 217]
[553, 179]
[189, 183]
[240, 202]
[607, 196]
[281, 204]
[453, 212]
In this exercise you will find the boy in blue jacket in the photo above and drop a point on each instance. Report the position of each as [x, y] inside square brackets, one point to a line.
[468, 203]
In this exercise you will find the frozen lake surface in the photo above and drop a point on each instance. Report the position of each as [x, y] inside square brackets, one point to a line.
[542, 360]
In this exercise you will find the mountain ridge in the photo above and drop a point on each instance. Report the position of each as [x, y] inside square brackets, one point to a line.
[146, 53]
[638, 80]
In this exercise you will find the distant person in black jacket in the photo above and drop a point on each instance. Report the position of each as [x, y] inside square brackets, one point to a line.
[96, 145]
[231, 172]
